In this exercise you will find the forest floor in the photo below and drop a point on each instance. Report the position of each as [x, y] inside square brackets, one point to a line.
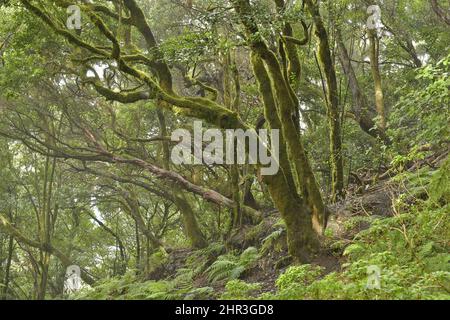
[370, 198]
[347, 220]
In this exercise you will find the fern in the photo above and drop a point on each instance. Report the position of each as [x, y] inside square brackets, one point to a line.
[199, 293]
[222, 269]
[440, 186]
[199, 260]
[249, 256]
[184, 275]
[230, 266]
[269, 242]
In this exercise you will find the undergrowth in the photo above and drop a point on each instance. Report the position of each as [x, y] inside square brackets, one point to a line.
[410, 250]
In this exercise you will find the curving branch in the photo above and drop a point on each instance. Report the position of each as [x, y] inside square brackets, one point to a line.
[200, 108]
[440, 12]
[299, 42]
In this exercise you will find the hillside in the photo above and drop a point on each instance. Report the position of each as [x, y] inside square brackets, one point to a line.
[399, 225]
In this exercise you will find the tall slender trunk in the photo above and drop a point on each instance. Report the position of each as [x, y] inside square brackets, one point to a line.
[45, 264]
[190, 223]
[138, 248]
[7, 279]
[295, 211]
[332, 102]
[46, 225]
[363, 113]
[375, 67]
[231, 99]
[306, 215]
[442, 14]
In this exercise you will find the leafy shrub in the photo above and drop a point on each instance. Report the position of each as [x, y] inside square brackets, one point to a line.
[440, 186]
[240, 290]
[410, 249]
[421, 115]
[293, 283]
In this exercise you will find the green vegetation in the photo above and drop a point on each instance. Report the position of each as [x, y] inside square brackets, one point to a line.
[359, 208]
[410, 248]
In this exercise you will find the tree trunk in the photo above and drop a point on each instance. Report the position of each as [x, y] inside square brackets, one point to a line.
[190, 223]
[363, 114]
[375, 67]
[332, 102]
[302, 240]
[119, 243]
[42, 287]
[6, 281]
[295, 211]
[441, 13]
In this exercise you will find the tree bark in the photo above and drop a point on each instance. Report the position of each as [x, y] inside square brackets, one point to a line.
[190, 223]
[282, 94]
[375, 67]
[363, 114]
[444, 16]
[7, 279]
[295, 210]
[332, 102]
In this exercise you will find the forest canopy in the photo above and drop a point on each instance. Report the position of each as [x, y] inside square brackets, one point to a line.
[224, 149]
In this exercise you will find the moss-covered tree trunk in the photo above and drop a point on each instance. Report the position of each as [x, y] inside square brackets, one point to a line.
[305, 215]
[363, 113]
[332, 102]
[294, 209]
[374, 53]
[7, 278]
[190, 223]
